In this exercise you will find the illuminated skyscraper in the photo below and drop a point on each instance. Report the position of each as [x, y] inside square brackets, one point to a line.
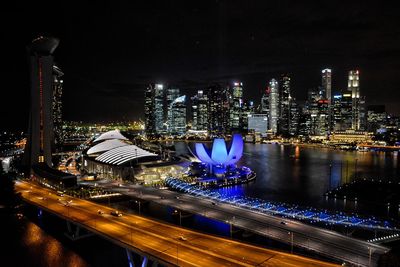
[154, 109]
[200, 111]
[294, 117]
[284, 120]
[327, 84]
[40, 130]
[273, 106]
[265, 99]
[159, 96]
[177, 121]
[218, 116]
[236, 106]
[57, 106]
[354, 88]
[172, 94]
[150, 126]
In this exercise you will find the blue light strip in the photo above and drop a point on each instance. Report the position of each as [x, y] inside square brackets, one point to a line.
[311, 215]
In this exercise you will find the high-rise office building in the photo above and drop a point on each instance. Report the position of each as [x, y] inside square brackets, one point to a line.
[294, 118]
[342, 112]
[150, 126]
[273, 106]
[336, 111]
[236, 106]
[159, 117]
[258, 123]
[248, 109]
[327, 84]
[200, 111]
[322, 119]
[40, 130]
[57, 106]
[218, 108]
[172, 94]
[285, 99]
[376, 117]
[177, 120]
[265, 101]
[354, 88]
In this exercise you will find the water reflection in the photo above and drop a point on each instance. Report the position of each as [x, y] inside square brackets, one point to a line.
[47, 250]
[301, 174]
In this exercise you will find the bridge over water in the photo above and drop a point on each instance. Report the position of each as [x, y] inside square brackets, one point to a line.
[315, 239]
[157, 243]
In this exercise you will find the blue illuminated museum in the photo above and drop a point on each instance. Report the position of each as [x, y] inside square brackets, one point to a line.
[217, 167]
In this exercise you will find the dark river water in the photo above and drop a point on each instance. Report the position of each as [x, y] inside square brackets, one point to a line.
[292, 174]
[302, 174]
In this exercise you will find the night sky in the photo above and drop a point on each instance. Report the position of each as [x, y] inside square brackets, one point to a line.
[109, 52]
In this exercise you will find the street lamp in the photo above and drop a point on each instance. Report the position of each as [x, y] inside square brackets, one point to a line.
[330, 177]
[369, 255]
[291, 241]
[139, 205]
[230, 228]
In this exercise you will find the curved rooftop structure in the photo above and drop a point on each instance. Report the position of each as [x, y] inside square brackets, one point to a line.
[114, 134]
[120, 155]
[105, 146]
[44, 45]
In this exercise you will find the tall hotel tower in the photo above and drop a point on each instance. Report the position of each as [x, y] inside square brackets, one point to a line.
[354, 88]
[40, 130]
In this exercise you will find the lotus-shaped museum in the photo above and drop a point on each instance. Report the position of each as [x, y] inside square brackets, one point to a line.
[219, 154]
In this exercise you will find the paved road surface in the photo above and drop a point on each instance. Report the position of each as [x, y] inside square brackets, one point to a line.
[325, 242]
[162, 241]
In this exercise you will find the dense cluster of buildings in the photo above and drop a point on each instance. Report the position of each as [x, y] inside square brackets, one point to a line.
[222, 110]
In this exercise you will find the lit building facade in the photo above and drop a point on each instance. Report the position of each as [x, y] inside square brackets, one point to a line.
[294, 118]
[327, 84]
[258, 123]
[177, 120]
[236, 106]
[172, 94]
[354, 88]
[285, 98]
[57, 107]
[40, 130]
[376, 117]
[273, 106]
[159, 96]
[200, 111]
[342, 112]
[218, 117]
[150, 126]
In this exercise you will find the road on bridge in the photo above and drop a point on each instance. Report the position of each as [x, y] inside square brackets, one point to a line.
[323, 241]
[165, 242]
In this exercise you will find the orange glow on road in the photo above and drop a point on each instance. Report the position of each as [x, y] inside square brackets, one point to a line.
[162, 240]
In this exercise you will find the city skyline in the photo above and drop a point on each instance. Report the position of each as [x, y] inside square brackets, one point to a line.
[107, 65]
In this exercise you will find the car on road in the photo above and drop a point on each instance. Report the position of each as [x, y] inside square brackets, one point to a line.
[100, 212]
[116, 213]
[213, 203]
[182, 238]
[283, 222]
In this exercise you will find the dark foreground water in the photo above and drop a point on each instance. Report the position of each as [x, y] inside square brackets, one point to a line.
[40, 242]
